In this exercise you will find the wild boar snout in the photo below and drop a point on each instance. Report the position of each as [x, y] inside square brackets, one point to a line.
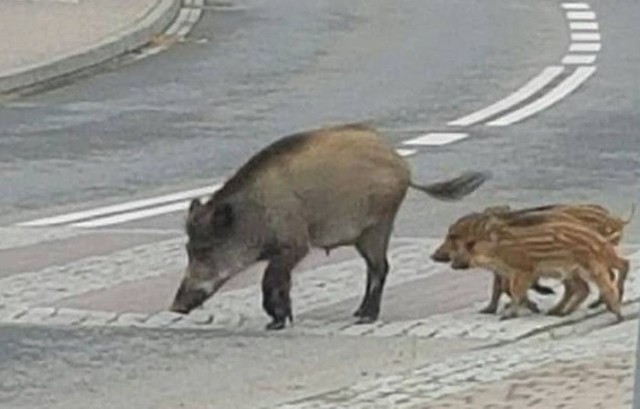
[191, 296]
[441, 255]
[460, 263]
[187, 298]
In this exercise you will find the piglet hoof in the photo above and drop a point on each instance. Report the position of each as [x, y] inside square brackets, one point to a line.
[276, 325]
[533, 307]
[488, 310]
[555, 313]
[595, 304]
[507, 315]
[358, 313]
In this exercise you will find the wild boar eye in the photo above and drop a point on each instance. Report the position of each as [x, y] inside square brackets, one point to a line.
[470, 245]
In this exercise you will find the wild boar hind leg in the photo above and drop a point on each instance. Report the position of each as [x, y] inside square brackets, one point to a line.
[372, 246]
[276, 286]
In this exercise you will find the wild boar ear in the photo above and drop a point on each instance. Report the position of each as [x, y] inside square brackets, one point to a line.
[195, 204]
[223, 216]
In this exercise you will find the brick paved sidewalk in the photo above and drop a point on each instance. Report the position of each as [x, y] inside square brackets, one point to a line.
[605, 382]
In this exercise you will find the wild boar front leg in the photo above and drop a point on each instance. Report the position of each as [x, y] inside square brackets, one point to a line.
[608, 290]
[519, 283]
[623, 271]
[496, 292]
[276, 285]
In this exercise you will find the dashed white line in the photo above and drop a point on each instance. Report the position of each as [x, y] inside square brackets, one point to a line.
[582, 25]
[437, 138]
[575, 6]
[585, 37]
[567, 86]
[406, 152]
[529, 89]
[579, 59]
[586, 47]
[581, 15]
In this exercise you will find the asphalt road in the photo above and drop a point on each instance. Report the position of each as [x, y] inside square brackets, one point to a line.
[252, 72]
[261, 70]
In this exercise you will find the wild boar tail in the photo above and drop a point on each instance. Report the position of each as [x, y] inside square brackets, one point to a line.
[456, 188]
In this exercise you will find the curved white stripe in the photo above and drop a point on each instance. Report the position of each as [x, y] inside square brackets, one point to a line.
[570, 84]
[530, 88]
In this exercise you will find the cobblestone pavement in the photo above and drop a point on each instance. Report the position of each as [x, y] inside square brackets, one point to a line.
[604, 382]
[22, 296]
[481, 379]
[592, 355]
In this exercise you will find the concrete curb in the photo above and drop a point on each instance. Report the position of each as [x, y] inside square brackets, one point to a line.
[136, 35]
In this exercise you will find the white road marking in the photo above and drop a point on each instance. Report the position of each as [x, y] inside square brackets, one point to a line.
[130, 216]
[567, 86]
[406, 152]
[575, 6]
[529, 89]
[581, 15]
[585, 37]
[581, 25]
[579, 59]
[122, 207]
[437, 138]
[177, 23]
[587, 47]
[126, 212]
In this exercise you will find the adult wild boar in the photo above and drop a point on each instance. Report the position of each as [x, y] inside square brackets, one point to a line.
[324, 188]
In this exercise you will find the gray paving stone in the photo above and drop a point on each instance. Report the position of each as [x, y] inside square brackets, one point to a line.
[67, 316]
[130, 319]
[99, 318]
[9, 312]
[162, 319]
[35, 315]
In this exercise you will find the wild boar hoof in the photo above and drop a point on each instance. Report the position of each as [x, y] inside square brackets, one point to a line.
[276, 325]
[365, 320]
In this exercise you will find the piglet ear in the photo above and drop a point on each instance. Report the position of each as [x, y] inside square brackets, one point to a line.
[492, 223]
[223, 216]
[195, 204]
